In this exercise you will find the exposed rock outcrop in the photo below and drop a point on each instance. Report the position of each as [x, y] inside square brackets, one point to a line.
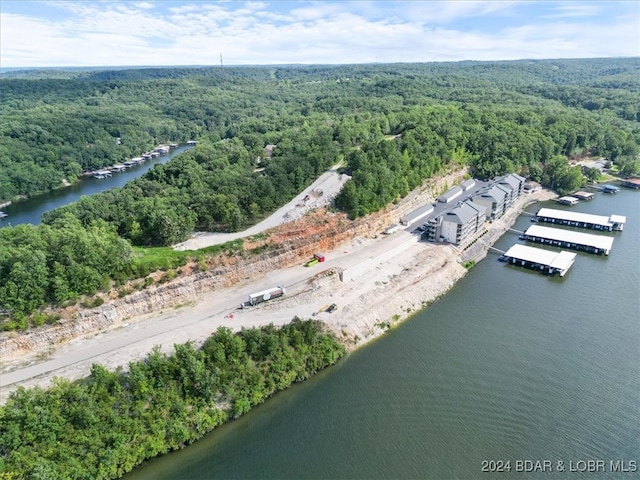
[282, 247]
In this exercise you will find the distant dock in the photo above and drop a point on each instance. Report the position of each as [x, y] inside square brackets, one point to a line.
[545, 261]
[568, 200]
[608, 188]
[581, 220]
[585, 242]
[628, 182]
[582, 195]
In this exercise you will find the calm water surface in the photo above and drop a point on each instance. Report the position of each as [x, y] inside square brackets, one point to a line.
[31, 210]
[509, 365]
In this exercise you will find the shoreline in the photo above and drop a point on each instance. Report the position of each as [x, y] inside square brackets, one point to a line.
[391, 291]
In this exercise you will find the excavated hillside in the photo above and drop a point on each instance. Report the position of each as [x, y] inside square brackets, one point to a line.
[285, 246]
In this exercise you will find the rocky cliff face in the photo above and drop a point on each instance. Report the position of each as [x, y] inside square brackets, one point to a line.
[283, 247]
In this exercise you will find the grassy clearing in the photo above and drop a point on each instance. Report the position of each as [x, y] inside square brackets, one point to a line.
[151, 259]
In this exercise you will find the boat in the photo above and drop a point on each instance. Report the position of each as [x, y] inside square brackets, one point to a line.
[3, 215]
[100, 174]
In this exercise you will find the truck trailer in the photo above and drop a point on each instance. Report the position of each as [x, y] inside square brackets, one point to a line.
[259, 297]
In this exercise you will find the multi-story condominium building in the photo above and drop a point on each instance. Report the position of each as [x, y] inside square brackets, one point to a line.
[457, 225]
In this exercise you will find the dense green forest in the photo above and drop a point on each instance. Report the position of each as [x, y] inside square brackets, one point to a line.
[103, 426]
[393, 125]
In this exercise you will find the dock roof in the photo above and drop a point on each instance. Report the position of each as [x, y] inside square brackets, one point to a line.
[598, 241]
[561, 260]
[581, 217]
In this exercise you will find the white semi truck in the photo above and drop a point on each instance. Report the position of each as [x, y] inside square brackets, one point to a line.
[259, 297]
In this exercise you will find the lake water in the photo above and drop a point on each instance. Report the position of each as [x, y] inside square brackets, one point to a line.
[31, 210]
[510, 365]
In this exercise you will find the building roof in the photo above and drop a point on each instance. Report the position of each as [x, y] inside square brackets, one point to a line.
[571, 216]
[417, 213]
[495, 192]
[450, 194]
[560, 260]
[513, 180]
[463, 212]
[598, 241]
[467, 184]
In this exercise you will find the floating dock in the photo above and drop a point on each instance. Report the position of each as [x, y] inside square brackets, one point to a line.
[582, 195]
[581, 220]
[585, 242]
[101, 174]
[545, 261]
[567, 200]
[608, 188]
[631, 183]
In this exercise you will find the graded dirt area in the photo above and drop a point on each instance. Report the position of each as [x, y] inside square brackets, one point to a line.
[319, 194]
[391, 277]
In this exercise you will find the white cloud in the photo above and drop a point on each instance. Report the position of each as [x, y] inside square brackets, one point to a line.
[146, 33]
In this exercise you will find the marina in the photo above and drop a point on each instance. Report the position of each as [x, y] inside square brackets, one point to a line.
[545, 261]
[121, 167]
[581, 220]
[30, 210]
[568, 239]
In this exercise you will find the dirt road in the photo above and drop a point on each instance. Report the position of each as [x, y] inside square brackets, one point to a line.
[319, 194]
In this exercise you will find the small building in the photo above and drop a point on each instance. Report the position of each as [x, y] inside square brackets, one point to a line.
[268, 151]
[450, 195]
[568, 200]
[416, 215]
[468, 185]
[532, 186]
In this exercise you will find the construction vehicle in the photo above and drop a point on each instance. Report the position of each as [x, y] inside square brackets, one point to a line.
[317, 258]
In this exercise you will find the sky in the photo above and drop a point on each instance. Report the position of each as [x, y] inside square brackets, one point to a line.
[201, 32]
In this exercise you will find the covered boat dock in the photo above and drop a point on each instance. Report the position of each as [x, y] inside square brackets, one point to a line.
[585, 242]
[544, 261]
[581, 220]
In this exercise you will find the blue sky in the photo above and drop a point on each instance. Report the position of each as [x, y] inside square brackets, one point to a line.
[196, 32]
